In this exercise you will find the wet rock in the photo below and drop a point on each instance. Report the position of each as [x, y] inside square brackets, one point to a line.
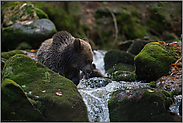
[32, 32]
[15, 104]
[121, 67]
[114, 57]
[137, 46]
[154, 61]
[145, 104]
[125, 45]
[55, 96]
[95, 82]
[19, 13]
[124, 76]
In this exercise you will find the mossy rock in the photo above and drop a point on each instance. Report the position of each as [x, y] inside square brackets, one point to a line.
[154, 61]
[144, 104]
[19, 13]
[122, 67]
[7, 55]
[44, 85]
[95, 82]
[114, 57]
[125, 45]
[15, 104]
[31, 32]
[137, 46]
[124, 76]
[24, 46]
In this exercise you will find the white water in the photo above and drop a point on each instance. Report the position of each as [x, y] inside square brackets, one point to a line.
[98, 59]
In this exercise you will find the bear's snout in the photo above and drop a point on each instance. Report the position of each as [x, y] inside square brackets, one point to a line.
[87, 68]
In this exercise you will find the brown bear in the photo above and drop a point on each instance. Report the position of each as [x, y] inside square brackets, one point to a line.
[94, 73]
[66, 55]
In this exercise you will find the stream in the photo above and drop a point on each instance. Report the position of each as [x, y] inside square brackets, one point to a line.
[96, 98]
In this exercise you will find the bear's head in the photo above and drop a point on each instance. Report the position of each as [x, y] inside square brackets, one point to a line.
[84, 55]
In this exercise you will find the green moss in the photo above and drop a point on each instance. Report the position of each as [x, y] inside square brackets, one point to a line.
[130, 24]
[53, 31]
[34, 78]
[7, 55]
[153, 61]
[23, 64]
[8, 37]
[24, 46]
[41, 14]
[30, 11]
[152, 84]
[15, 103]
[166, 93]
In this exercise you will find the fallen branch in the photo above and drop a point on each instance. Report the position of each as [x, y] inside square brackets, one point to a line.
[115, 26]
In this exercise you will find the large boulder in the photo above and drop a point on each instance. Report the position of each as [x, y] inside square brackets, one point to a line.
[16, 105]
[145, 104]
[137, 46]
[114, 57]
[154, 61]
[55, 96]
[19, 13]
[32, 32]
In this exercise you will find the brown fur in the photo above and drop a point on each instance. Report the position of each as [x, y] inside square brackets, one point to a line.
[66, 55]
[95, 73]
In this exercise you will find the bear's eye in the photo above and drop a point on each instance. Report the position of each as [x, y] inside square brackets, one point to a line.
[88, 61]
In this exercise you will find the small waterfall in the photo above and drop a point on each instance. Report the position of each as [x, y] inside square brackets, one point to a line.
[98, 59]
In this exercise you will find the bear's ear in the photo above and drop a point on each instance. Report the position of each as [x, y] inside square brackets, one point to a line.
[85, 39]
[77, 45]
